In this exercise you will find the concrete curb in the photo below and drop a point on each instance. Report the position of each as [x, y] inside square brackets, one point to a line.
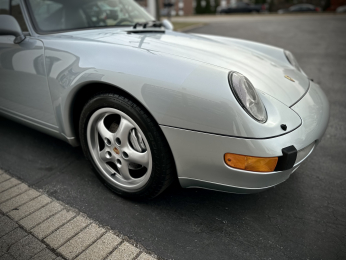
[35, 226]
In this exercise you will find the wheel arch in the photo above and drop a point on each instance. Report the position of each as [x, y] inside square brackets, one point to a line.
[80, 96]
[85, 92]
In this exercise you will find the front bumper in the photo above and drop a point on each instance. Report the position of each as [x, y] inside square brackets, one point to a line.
[199, 156]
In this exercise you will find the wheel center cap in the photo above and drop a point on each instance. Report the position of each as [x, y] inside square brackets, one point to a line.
[116, 150]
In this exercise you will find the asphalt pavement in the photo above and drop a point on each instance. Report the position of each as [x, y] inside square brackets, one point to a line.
[303, 218]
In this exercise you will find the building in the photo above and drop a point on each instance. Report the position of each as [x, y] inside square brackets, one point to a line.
[179, 7]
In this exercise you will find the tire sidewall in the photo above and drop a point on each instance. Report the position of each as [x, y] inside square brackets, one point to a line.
[120, 103]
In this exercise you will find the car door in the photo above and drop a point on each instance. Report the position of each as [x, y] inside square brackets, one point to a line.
[24, 92]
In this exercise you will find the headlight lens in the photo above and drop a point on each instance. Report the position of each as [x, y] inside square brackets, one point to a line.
[247, 96]
[292, 60]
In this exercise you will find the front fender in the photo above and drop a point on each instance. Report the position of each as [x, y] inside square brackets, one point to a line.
[178, 92]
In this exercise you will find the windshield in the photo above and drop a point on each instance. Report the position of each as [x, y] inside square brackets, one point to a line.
[65, 15]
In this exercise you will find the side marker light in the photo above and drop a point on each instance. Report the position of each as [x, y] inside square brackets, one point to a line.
[251, 163]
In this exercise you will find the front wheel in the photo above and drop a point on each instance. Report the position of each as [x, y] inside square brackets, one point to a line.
[125, 146]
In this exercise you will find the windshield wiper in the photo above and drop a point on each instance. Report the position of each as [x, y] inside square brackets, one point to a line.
[155, 24]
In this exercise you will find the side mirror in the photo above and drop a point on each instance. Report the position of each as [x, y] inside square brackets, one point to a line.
[167, 24]
[10, 26]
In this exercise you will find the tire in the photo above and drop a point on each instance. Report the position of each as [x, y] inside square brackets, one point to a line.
[125, 146]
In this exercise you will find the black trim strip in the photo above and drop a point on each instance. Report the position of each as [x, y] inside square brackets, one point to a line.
[145, 31]
[288, 159]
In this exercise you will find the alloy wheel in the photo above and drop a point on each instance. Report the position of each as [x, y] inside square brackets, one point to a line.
[119, 148]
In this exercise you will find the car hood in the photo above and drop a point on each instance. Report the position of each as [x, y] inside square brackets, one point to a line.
[266, 70]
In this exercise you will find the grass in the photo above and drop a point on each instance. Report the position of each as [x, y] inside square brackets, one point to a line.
[181, 26]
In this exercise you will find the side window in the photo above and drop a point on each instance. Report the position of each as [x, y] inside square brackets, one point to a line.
[12, 7]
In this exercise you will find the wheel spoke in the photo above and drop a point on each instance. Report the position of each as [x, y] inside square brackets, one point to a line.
[109, 171]
[124, 171]
[138, 158]
[124, 130]
[103, 131]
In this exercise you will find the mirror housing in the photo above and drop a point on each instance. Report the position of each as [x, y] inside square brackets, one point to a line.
[10, 26]
[167, 24]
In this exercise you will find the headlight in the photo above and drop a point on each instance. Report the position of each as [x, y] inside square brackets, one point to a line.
[292, 60]
[247, 96]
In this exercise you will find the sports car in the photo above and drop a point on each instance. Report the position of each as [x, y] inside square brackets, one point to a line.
[148, 105]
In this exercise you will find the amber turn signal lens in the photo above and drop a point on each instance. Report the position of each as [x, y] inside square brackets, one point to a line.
[250, 163]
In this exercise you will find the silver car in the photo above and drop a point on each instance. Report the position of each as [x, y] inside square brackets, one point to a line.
[149, 105]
